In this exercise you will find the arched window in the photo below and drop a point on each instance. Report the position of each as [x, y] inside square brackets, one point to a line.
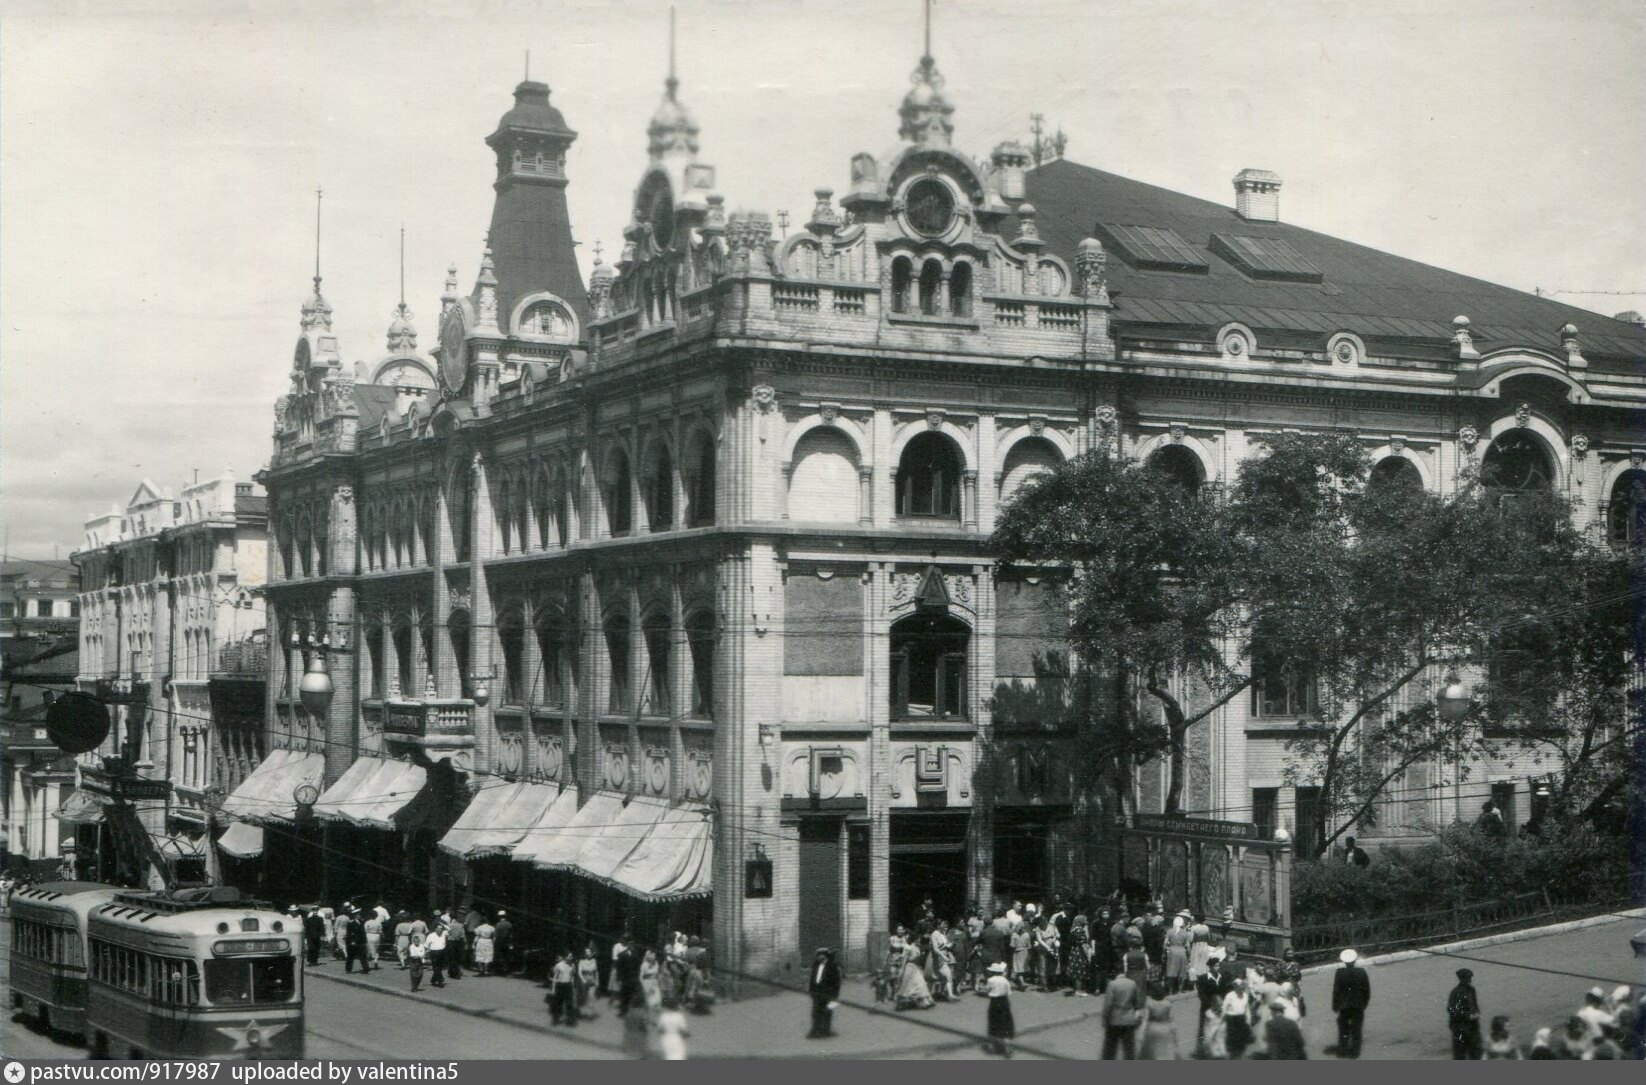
[460, 633]
[1180, 465]
[619, 499]
[286, 549]
[1517, 462]
[403, 658]
[929, 667]
[700, 639]
[557, 645]
[511, 640]
[1626, 512]
[541, 510]
[560, 494]
[1394, 476]
[619, 700]
[504, 528]
[457, 512]
[960, 289]
[1029, 457]
[823, 480]
[928, 478]
[305, 545]
[660, 488]
[931, 278]
[658, 698]
[701, 482]
[372, 674]
[902, 276]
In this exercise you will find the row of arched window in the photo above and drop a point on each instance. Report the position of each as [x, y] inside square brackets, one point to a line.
[931, 293]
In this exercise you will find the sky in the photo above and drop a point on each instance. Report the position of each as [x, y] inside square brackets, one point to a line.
[159, 161]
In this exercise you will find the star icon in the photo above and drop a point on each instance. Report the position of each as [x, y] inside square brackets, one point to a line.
[252, 1035]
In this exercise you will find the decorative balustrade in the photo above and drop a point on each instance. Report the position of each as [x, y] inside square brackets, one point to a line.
[1383, 934]
[244, 657]
[795, 297]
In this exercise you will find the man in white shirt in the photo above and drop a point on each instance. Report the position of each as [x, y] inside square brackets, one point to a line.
[435, 943]
[1596, 1018]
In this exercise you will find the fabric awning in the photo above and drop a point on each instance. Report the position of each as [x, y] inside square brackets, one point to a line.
[242, 841]
[180, 847]
[267, 794]
[674, 860]
[548, 826]
[612, 843]
[371, 792]
[497, 818]
[80, 806]
[565, 844]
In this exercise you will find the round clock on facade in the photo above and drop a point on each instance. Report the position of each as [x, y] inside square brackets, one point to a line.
[305, 794]
[930, 206]
[453, 363]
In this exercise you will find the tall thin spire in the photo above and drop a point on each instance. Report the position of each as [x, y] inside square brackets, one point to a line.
[316, 311]
[402, 265]
[928, 51]
[925, 111]
[672, 83]
[318, 194]
[528, 78]
[402, 333]
[672, 130]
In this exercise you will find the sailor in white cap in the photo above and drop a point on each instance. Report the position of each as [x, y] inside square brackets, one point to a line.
[1596, 1017]
[1351, 993]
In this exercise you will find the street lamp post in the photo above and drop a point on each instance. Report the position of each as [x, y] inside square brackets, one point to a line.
[315, 689]
[1454, 703]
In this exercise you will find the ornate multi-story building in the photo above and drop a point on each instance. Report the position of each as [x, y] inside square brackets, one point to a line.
[167, 603]
[669, 598]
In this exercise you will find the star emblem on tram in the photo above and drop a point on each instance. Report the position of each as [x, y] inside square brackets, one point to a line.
[252, 1033]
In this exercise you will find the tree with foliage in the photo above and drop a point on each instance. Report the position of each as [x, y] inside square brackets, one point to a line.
[1308, 578]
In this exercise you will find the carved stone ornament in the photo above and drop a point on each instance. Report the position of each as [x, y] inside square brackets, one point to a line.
[765, 397]
[343, 495]
[1523, 414]
[1397, 445]
[1469, 436]
[1637, 457]
[1107, 415]
[828, 412]
[1580, 445]
[1179, 430]
[1037, 424]
[934, 419]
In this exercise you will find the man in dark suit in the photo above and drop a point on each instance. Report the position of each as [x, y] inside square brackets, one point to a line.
[1211, 985]
[1282, 1037]
[314, 935]
[996, 941]
[1351, 994]
[1122, 1011]
[824, 988]
[1463, 1017]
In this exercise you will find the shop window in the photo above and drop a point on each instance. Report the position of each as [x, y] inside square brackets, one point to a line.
[928, 477]
[857, 862]
[928, 667]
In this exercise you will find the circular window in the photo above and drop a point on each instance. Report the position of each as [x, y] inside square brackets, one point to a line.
[930, 206]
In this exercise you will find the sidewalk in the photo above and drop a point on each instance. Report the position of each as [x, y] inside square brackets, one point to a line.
[767, 1027]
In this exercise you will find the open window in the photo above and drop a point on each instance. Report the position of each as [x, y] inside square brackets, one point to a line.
[700, 465]
[902, 279]
[928, 667]
[960, 289]
[511, 641]
[658, 700]
[619, 496]
[660, 487]
[931, 282]
[700, 640]
[557, 647]
[620, 694]
[460, 632]
[1626, 511]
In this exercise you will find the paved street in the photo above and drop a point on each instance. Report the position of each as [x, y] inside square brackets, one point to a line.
[487, 1018]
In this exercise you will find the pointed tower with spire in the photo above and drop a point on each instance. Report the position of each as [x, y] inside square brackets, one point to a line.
[317, 344]
[531, 237]
[926, 110]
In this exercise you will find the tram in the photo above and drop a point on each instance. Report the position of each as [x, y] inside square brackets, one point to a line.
[193, 974]
[48, 951]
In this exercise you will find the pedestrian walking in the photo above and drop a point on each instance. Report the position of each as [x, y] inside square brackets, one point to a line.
[402, 940]
[1351, 994]
[1594, 1014]
[824, 987]
[671, 1030]
[436, 943]
[504, 939]
[627, 967]
[314, 935]
[1237, 1019]
[354, 946]
[1463, 1017]
[485, 947]
[1212, 985]
[562, 996]
[1122, 1013]
[1159, 1037]
[1002, 1027]
[1177, 941]
[588, 979]
[1282, 1035]
[416, 954]
[457, 948]
[340, 924]
[651, 983]
[374, 936]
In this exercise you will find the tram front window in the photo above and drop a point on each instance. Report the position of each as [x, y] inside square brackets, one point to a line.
[251, 982]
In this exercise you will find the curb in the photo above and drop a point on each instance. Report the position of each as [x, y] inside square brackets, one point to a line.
[1522, 935]
[484, 1015]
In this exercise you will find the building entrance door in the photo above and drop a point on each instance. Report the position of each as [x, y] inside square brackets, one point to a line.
[819, 884]
[1020, 867]
[928, 859]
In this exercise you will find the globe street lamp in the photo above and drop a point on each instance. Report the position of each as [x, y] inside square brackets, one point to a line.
[315, 689]
[1454, 704]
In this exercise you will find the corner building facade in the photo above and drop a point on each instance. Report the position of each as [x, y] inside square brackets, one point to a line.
[702, 545]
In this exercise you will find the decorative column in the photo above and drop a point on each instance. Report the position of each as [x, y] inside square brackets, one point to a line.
[968, 499]
[865, 494]
[482, 624]
[877, 679]
[342, 721]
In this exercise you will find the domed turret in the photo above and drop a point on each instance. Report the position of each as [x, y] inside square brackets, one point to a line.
[926, 110]
[402, 334]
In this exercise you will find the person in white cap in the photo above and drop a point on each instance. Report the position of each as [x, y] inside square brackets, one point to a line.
[1002, 1027]
[1351, 994]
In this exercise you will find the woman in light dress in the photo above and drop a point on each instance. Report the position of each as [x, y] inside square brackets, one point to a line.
[1159, 1037]
[912, 992]
[485, 947]
[1200, 949]
[650, 985]
[1178, 941]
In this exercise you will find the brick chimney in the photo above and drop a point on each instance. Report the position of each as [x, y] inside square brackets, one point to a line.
[1257, 195]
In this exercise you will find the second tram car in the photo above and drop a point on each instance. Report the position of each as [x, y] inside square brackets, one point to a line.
[48, 951]
[196, 974]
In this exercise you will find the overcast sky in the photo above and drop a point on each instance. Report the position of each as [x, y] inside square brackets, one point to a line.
[158, 163]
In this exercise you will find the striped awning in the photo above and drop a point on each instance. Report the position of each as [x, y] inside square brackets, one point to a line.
[242, 841]
[269, 793]
[371, 792]
[497, 818]
[545, 831]
[81, 807]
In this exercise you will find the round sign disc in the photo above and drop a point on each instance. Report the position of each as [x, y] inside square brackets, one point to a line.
[77, 722]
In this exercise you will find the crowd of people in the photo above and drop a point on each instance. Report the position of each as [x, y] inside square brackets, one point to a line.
[437, 944]
[1607, 1026]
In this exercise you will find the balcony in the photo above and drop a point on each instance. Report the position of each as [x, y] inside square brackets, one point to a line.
[247, 658]
[443, 728]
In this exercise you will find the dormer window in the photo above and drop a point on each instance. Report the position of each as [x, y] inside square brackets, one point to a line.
[546, 318]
